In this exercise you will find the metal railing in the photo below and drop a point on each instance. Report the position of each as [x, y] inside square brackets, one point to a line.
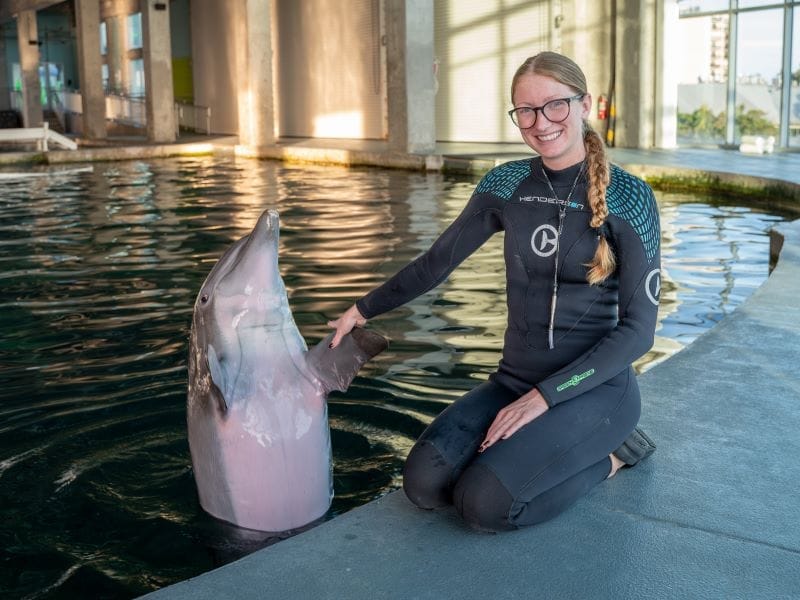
[192, 117]
[128, 110]
[42, 136]
[121, 108]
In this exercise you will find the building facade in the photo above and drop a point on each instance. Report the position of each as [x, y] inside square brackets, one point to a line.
[407, 72]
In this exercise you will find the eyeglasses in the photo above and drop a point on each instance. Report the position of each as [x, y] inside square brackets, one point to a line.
[554, 111]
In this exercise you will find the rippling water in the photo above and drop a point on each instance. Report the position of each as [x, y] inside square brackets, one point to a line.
[99, 274]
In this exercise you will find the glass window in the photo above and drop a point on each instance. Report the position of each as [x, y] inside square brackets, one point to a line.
[752, 3]
[759, 57]
[103, 38]
[689, 7]
[794, 96]
[134, 31]
[137, 77]
[702, 64]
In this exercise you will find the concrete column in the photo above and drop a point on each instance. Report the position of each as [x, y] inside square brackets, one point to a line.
[256, 103]
[636, 76]
[5, 82]
[160, 100]
[410, 80]
[586, 37]
[87, 16]
[27, 34]
[114, 54]
[666, 117]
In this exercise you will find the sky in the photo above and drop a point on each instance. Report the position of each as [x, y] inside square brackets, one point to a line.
[760, 43]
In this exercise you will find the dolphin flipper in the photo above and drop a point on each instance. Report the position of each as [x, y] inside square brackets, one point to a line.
[337, 367]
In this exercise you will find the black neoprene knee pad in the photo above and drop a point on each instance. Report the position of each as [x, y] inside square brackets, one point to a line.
[482, 501]
[426, 477]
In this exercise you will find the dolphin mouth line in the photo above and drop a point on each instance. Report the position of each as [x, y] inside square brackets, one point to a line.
[266, 326]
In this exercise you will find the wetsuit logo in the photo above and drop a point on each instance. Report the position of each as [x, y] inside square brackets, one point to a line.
[575, 380]
[544, 240]
[652, 286]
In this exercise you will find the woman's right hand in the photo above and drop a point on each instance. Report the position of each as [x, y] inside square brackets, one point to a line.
[343, 325]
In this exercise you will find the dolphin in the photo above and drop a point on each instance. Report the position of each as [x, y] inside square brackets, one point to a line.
[257, 398]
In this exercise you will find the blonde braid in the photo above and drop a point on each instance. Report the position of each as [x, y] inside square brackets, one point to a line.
[604, 262]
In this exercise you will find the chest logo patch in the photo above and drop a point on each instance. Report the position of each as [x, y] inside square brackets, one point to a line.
[653, 286]
[544, 240]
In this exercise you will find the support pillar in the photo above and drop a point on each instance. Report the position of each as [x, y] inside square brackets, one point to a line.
[410, 77]
[636, 73]
[87, 14]
[587, 38]
[666, 135]
[114, 55]
[256, 103]
[160, 99]
[28, 37]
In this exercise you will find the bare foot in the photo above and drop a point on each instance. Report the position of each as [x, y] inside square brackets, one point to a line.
[616, 464]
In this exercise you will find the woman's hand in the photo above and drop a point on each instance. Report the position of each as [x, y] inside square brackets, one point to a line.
[343, 325]
[520, 412]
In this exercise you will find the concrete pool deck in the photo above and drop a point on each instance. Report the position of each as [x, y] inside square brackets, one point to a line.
[712, 514]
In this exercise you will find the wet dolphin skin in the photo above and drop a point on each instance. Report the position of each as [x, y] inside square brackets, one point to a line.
[256, 411]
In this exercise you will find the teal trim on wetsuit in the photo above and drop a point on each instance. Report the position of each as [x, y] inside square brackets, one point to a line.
[598, 330]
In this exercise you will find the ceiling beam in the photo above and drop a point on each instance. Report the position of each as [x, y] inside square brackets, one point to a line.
[9, 8]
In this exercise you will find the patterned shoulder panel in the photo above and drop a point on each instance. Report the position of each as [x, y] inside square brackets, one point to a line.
[503, 180]
[632, 200]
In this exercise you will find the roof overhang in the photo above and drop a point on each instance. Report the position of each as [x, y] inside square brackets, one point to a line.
[9, 8]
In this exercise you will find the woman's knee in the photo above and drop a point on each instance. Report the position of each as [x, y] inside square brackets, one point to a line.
[427, 476]
[482, 500]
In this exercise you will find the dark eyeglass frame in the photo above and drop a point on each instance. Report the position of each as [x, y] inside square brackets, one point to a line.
[537, 109]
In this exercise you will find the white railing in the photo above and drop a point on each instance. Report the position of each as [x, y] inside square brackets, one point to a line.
[41, 135]
[192, 117]
[55, 103]
[129, 110]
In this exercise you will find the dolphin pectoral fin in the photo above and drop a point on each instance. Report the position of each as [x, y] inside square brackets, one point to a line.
[217, 378]
[337, 367]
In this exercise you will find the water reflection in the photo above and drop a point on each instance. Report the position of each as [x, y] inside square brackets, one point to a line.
[100, 272]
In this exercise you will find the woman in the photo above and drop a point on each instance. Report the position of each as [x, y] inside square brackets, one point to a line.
[582, 262]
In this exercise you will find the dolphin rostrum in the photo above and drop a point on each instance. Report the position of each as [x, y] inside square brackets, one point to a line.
[256, 411]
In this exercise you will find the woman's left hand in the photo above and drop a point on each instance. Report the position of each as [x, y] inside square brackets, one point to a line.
[520, 412]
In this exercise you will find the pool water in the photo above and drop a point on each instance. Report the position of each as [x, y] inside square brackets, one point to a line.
[99, 274]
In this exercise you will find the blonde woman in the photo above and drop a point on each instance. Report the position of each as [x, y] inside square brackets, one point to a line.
[582, 255]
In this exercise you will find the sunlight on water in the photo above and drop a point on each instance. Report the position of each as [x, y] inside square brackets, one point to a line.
[100, 271]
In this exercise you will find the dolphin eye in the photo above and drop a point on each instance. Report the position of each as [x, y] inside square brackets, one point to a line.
[204, 298]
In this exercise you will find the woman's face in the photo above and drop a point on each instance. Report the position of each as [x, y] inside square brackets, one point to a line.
[559, 144]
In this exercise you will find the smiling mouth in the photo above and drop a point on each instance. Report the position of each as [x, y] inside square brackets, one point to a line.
[549, 137]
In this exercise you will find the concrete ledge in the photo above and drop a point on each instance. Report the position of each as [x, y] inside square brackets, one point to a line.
[110, 152]
[712, 514]
[732, 184]
[336, 156]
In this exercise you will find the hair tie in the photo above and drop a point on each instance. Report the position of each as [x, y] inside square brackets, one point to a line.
[603, 230]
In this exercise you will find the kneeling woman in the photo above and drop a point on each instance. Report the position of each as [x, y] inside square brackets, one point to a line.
[582, 264]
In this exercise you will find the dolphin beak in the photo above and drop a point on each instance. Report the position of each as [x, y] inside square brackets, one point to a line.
[268, 225]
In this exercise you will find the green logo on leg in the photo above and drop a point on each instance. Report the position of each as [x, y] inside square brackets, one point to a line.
[575, 380]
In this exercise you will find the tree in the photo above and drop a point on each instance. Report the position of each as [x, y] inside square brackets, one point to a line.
[754, 122]
[702, 123]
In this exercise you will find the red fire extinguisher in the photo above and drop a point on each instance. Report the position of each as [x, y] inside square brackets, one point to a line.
[602, 107]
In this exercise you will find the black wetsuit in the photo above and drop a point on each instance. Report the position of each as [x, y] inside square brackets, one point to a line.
[579, 357]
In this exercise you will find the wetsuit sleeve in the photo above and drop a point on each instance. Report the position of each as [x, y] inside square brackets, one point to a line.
[636, 237]
[479, 220]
